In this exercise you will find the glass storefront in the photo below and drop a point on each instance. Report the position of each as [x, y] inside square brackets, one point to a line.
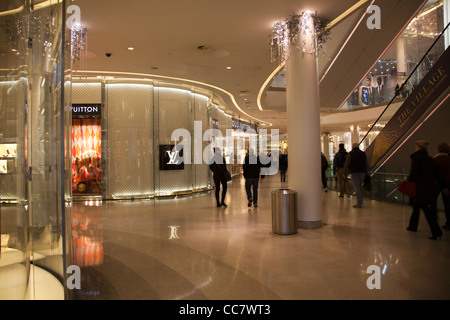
[121, 150]
[34, 124]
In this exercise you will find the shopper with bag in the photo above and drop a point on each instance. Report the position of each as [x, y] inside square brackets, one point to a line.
[424, 173]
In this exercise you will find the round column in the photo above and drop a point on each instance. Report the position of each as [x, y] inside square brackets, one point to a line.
[401, 59]
[354, 130]
[303, 125]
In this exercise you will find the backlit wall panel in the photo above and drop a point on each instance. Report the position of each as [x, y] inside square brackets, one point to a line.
[87, 93]
[129, 134]
[173, 113]
[201, 174]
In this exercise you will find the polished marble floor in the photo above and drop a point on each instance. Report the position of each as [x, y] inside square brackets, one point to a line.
[187, 248]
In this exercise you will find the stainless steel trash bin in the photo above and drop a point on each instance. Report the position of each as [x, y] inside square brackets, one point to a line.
[284, 211]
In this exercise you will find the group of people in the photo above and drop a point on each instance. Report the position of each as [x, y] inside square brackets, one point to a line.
[430, 175]
[252, 173]
[353, 163]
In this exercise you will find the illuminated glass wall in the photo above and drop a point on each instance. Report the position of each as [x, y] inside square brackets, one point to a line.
[34, 148]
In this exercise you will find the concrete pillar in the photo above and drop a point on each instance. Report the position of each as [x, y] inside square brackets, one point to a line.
[303, 125]
[354, 130]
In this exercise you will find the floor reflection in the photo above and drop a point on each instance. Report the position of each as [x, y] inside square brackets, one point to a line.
[189, 249]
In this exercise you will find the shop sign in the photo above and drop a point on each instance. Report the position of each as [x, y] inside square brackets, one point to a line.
[236, 124]
[435, 82]
[171, 157]
[86, 110]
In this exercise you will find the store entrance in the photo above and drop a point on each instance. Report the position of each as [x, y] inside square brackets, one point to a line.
[86, 150]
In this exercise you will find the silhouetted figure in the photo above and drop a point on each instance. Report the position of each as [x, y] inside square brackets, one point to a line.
[338, 168]
[356, 165]
[424, 173]
[324, 166]
[252, 171]
[218, 167]
[443, 163]
[283, 166]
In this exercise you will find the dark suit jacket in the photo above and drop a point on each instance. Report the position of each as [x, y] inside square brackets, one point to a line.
[424, 173]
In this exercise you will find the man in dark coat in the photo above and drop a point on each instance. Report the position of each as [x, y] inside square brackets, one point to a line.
[424, 173]
[356, 165]
[324, 167]
[338, 168]
[218, 167]
[252, 170]
[283, 166]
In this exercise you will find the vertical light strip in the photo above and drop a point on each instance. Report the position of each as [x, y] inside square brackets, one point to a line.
[62, 138]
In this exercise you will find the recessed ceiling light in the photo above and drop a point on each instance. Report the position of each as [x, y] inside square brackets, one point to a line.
[130, 48]
[228, 68]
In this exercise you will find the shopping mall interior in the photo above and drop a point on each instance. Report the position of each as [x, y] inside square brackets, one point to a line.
[110, 114]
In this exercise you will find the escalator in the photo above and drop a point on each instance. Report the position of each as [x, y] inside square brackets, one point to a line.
[352, 49]
[422, 116]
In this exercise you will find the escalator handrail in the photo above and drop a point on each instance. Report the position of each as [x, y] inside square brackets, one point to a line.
[406, 81]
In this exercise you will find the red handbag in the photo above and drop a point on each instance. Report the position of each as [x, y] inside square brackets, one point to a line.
[408, 188]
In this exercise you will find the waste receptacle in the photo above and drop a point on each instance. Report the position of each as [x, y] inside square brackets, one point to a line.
[284, 211]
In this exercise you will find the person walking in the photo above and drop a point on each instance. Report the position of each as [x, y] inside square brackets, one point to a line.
[338, 168]
[424, 173]
[283, 166]
[443, 163]
[324, 166]
[218, 167]
[356, 164]
[252, 171]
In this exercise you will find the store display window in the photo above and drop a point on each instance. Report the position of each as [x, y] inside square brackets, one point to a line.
[8, 152]
[86, 149]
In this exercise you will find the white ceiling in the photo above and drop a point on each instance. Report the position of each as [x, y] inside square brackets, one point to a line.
[166, 36]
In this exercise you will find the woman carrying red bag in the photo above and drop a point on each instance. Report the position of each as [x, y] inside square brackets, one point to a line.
[425, 175]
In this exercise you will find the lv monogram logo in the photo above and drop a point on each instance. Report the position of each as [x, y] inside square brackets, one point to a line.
[172, 157]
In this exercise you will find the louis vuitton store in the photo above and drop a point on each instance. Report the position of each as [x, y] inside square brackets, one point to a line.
[124, 133]
[65, 136]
